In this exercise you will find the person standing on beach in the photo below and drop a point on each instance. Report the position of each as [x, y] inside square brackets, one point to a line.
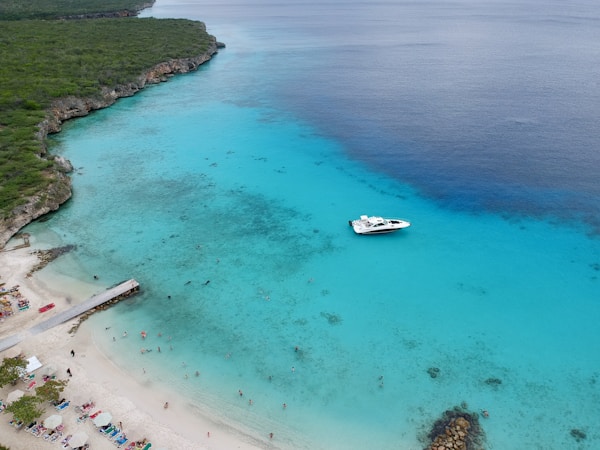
[72, 352]
[69, 372]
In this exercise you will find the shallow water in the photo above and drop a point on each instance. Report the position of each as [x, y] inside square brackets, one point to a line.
[235, 175]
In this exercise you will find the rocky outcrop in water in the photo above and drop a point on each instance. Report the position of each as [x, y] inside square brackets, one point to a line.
[59, 189]
[47, 256]
[457, 429]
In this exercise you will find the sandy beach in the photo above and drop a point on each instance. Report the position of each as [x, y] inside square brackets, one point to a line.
[95, 378]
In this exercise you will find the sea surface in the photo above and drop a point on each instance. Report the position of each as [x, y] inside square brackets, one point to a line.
[227, 193]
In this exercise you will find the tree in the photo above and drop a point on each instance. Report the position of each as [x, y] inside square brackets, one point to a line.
[50, 391]
[25, 409]
[11, 370]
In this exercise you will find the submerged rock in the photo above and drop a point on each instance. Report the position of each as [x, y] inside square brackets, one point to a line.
[578, 434]
[47, 256]
[433, 372]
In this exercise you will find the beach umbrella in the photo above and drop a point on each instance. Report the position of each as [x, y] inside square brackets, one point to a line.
[102, 419]
[48, 370]
[78, 439]
[14, 395]
[51, 422]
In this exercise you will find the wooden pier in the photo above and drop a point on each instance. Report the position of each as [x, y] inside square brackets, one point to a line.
[110, 296]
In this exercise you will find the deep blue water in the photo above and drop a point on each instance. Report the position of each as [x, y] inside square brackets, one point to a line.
[474, 120]
[479, 105]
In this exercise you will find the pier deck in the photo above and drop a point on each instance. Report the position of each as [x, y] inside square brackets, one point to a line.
[126, 287]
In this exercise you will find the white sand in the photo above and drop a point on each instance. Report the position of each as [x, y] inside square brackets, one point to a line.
[95, 377]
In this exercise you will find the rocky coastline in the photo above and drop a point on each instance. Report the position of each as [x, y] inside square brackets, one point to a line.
[59, 190]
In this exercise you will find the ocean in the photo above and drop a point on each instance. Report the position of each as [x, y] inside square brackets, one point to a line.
[227, 193]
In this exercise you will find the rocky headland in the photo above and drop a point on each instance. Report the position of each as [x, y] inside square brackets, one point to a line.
[58, 190]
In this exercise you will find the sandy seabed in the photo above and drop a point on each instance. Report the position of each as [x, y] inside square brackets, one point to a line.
[95, 378]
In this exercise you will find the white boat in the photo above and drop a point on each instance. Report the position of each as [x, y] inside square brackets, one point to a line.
[377, 225]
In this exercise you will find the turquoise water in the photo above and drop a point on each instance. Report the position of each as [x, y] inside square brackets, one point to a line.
[206, 177]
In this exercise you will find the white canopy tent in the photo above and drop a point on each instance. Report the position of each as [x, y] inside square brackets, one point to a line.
[33, 364]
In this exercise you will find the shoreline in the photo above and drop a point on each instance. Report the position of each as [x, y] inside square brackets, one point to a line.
[66, 108]
[95, 377]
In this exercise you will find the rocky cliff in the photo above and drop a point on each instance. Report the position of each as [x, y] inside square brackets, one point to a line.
[59, 189]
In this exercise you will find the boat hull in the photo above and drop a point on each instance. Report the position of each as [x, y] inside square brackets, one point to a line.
[377, 225]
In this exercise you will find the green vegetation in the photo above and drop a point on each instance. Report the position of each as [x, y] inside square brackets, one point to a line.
[11, 370]
[51, 9]
[50, 391]
[46, 60]
[26, 408]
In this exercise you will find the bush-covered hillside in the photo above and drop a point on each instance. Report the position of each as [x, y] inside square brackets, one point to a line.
[44, 60]
[51, 9]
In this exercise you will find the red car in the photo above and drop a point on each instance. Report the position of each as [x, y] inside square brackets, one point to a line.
[47, 307]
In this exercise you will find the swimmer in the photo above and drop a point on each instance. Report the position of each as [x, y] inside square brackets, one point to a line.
[166, 405]
[485, 413]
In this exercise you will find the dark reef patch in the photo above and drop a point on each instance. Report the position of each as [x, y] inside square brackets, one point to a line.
[433, 372]
[493, 382]
[332, 319]
[578, 435]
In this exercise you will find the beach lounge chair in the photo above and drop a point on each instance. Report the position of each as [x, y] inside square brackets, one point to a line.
[47, 434]
[39, 431]
[121, 441]
[63, 406]
[31, 385]
[93, 416]
[107, 429]
[65, 441]
[82, 418]
[16, 423]
[56, 436]
[30, 426]
[113, 433]
[147, 446]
